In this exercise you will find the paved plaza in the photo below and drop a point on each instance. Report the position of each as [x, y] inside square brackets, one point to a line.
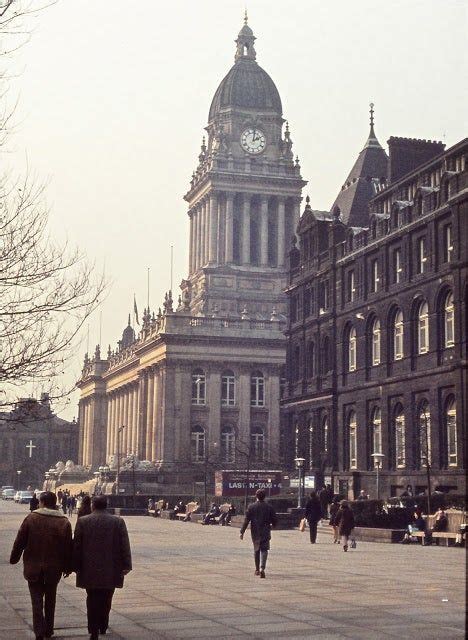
[190, 581]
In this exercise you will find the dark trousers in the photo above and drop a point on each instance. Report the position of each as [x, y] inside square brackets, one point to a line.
[260, 558]
[313, 530]
[43, 606]
[98, 605]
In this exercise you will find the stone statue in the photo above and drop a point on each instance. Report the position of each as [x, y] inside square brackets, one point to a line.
[69, 465]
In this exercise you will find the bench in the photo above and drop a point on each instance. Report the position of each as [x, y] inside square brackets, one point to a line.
[191, 507]
[157, 508]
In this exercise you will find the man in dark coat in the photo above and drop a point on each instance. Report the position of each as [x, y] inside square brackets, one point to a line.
[261, 517]
[45, 540]
[345, 522]
[324, 497]
[33, 503]
[101, 559]
[313, 513]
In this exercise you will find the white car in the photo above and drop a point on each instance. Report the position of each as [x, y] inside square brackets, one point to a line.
[8, 494]
[23, 497]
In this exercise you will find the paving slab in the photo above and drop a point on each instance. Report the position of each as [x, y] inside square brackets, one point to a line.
[192, 582]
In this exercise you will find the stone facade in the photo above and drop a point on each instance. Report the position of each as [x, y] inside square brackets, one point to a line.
[377, 342]
[199, 386]
[32, 439]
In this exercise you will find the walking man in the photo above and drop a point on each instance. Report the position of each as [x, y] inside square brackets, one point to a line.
[101, 559]
[45, 540]
[261, 517]
[313, 514]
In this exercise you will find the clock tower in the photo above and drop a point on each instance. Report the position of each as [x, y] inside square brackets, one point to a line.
[244, 197]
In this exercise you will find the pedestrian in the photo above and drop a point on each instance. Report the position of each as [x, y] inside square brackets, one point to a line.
[313, 514]
[70, 505]
[33, 503]
[335, 505]
[101, 559]
[324, 498]
[362, 495]
[345, 522]
[45, 540]
[64, 503]
[261, 517]
[85, 507]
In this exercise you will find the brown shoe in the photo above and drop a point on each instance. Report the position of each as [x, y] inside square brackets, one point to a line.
[257, 572]
[262, 573]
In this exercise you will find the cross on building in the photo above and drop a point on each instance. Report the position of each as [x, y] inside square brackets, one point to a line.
[30, 446]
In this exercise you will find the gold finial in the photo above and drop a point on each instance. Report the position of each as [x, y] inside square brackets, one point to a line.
[245, 16]
[371, 111]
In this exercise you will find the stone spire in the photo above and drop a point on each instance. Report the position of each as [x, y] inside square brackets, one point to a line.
[245, 42]
[372, 139]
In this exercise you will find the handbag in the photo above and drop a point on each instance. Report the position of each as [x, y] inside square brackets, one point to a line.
[302, 524]
[353, 543]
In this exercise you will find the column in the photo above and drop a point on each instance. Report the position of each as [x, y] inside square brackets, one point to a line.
[149, 414]
[213, 228]
[229, 227]
[135, 443]
[111, 451]
[264, 231]
[154, 429]
[206, 227]
[297, 214]
[246, 230]
[142, 389]
[125, 422]
[202, 233]
[199, 235]
[281, 232]
[221, 230]
[109, 424]
[85, 432]
[191, 244]
[130, 419]
[81, 432]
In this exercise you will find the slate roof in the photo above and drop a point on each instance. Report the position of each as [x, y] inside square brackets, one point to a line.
[369, 170]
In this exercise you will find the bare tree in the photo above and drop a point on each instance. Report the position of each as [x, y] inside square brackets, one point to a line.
[47, 290]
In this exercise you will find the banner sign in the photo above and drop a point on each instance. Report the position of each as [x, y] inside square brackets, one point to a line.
[233, 483]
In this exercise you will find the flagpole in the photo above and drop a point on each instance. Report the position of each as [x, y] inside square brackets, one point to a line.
[172, 264]
[147, 287]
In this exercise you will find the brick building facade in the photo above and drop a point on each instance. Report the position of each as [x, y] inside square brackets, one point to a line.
[377, 340]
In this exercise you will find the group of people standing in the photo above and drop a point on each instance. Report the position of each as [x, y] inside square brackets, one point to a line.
[98, 552]
[341, 518]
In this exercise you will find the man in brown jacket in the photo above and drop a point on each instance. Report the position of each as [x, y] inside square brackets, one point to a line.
[45, 540]
[101, 559]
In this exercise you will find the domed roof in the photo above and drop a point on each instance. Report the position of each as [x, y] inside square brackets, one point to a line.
[246, 85]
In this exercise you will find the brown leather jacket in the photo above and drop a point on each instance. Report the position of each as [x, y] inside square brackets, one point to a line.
[45, 540]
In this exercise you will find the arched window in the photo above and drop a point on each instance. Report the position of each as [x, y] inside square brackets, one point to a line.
[425, 458]
[352, 349]
[400, 438]
[198, 444]
[310, 360]
[228, 389]
[449, 335]
[228, 444]
[451, 427]
[257, 444]
[375, 342]
[423, 328]
[352, 435]
[326, 434]
[325, 356]
[257, 389]
[398, 335]
[198, 387]
[376, 433]
[296, 363]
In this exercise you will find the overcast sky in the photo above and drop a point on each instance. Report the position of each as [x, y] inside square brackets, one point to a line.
[114, 95]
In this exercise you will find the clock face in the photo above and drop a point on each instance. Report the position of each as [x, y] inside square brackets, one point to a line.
[253, 141]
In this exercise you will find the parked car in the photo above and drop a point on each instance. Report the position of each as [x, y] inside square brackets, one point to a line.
[8, 494]
[23, 497]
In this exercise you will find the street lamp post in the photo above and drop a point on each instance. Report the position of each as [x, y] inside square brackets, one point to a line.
[378, 457]
[18, 484]
[300, 493]
[269, 486]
